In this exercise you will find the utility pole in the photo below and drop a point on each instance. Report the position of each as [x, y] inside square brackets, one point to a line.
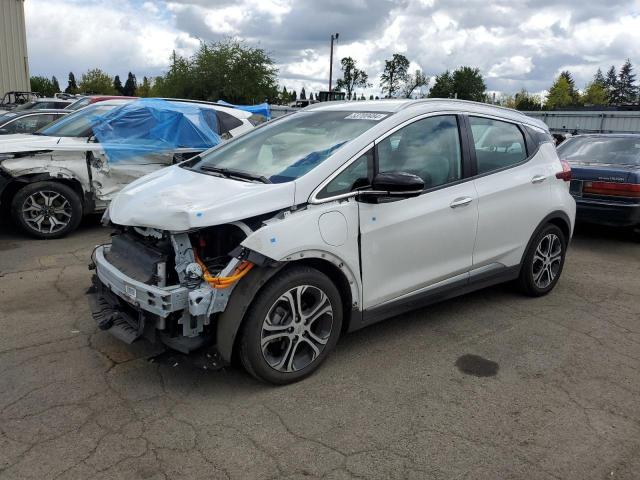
[333, 37]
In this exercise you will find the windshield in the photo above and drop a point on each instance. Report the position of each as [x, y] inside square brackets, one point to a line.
[25, 106]
[608, 150]
[76, 124]
[78, 104]
[289, 147]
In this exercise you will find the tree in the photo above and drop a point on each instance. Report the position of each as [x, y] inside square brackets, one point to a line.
[303, 94]
[595, 93]
[468, 84]
[144, 90]
[352, 77]
[523, 100]
[233, 71]
[96, 81]
[465, 83]
[611, 83]
[294, 96]
[625, 91]
[72, 86]
[394, 74]
[442, 86]
[575, 96]
[559, 95]
[117, 85]
[415, 80]
[371, 97]
[130, 86]
[42, 85]
[56, 85]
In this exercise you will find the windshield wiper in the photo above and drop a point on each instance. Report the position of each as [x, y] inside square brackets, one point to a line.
[233, 173]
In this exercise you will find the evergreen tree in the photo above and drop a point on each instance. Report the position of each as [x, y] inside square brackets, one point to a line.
[610, 84]
[72, 86]
[566, 74]
[371, 97]
[599, 78]
[442, 86]
[130, 86]
[144, 90]
[559, 94]
[117, 85]
[55, 84]
[626, 91]
[294, 96]
[303, 94]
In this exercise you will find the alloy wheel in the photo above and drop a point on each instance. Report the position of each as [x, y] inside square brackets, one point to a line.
[46, 211]
[296, 328]
[547, 260]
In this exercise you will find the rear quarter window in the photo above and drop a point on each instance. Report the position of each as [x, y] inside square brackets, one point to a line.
[497, 144]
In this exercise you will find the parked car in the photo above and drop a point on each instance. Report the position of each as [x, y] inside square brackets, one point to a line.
[11, 100]
[28, 121]
[83, 101]
[606, 177]
[40, 103]
[271, 246]
[50, 179]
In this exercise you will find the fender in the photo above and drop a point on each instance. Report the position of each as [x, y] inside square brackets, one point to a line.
[557, 215]
[229, 321]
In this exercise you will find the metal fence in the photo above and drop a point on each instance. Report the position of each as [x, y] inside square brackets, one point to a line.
[590, 121]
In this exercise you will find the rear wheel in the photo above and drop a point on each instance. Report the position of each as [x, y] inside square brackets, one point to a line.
[47, 209]
[291, 327]
[543, 262]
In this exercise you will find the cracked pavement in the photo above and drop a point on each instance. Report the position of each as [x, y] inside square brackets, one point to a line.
[389, 403]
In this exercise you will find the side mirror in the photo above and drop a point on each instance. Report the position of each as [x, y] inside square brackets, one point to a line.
[395, 185]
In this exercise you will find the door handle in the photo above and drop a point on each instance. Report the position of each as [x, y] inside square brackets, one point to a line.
[538, 179]
[461, 202]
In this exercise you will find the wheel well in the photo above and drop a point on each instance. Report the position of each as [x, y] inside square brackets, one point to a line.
[237, 307]
[337, 277]
[12, 188]
[562, 224]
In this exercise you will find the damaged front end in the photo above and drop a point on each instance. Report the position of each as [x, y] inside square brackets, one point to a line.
[169, 287]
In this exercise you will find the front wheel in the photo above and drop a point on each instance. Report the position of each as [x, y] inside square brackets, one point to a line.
[543, 262]
[291, 327]
[47, 209]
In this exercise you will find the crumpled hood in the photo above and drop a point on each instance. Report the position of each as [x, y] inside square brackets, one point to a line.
[178, 199]
[25, 142]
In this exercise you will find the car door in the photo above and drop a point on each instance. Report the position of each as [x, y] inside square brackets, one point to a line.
[513, 191]
[417, 243]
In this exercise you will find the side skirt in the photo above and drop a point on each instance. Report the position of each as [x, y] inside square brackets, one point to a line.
[482, 278]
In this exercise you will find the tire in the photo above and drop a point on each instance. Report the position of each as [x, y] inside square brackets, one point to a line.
[543, 262]
[31, 211]
[296, 348]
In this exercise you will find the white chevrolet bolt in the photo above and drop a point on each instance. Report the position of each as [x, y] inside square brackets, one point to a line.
[269, 247]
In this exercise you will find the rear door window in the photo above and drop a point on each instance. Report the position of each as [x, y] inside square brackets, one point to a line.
[497, 144]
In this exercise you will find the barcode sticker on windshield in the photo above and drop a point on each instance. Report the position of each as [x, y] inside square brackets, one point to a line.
[376, 117]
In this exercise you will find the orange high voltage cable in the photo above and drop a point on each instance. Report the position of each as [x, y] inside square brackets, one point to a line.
[224, 282]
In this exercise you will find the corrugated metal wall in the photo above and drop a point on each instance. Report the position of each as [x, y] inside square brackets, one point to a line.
[590, 121]
[14, 62]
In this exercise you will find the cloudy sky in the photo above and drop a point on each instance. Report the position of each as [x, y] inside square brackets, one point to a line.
[515, 43]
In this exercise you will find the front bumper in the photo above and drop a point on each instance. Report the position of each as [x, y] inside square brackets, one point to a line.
[129, 309]
[613, 214]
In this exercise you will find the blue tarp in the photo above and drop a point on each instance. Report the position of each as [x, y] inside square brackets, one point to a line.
[260, 109]
[151, 126]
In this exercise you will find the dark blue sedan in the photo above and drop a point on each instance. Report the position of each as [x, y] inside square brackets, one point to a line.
[605, 177]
